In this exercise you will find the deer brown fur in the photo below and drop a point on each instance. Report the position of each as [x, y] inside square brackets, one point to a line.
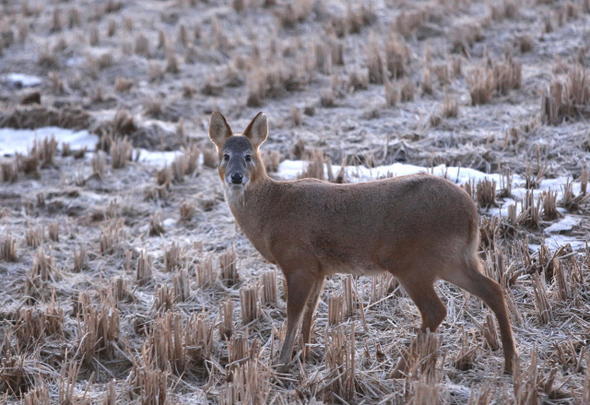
[420, 228]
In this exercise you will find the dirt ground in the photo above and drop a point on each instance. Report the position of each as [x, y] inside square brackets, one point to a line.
[119, 281]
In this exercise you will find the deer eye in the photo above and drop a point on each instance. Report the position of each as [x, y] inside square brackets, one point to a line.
[248, 158]
[226, 157]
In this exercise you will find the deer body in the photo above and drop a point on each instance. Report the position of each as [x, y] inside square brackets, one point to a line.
[420, 228]
[356, 228]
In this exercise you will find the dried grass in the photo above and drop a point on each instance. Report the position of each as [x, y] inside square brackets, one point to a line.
[9, 172]
[450, 107]
[80, 259]
[99, 163]
[407, 90]
[250, 303]
[122, 84]
[172, 63]
[148, 383]
[143, 273]
[156, 224]
[271, 160]
[541, 299]
[268, 287]
[228, 264]
[408, 22]
[426, 84]
[293, 13]
[110, 236]
[530, 215]
[250, 383]
[24, 373]
[273, 81]
[164, 176]
[358, 80]
[67, 382]
[181, 283]
[174, 257]
[98, 329]
[226, 325]
[374, 61]
[142, 46]
[340, 364]
[205, 273]
[186, 210]
[155, 72]
[121, 153]
[567, 100]
[323, 58]
[486, 193]
[42, 271]
[8, 248]
[550, 212]
[209, 158]
[397, 56]
[315, 166]
[481, 86]
[392, 93]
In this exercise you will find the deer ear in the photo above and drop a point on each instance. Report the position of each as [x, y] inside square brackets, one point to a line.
[219, 129]
[257, 130]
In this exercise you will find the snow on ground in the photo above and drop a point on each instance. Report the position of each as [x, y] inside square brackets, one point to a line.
[158, 158]
[566, 224]
[290, 169]
[21, 140]
[21, 80]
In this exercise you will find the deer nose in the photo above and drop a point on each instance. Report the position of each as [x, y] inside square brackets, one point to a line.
[236, 178]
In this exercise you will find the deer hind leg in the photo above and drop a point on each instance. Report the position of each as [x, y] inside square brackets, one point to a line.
[310, 308]
[473, 281]
[300, 283]
[432, 311]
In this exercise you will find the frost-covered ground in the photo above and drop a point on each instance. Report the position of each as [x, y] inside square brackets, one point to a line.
[388, 83]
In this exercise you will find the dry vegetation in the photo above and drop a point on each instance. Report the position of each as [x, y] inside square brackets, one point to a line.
[128, 283]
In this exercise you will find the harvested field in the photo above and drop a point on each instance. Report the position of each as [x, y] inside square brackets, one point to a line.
[125, 277]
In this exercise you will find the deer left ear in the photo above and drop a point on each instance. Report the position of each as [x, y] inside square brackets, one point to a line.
[257, 130]
[219, 129]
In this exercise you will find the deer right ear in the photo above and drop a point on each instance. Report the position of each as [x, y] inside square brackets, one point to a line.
[257, 130]
[219, 129]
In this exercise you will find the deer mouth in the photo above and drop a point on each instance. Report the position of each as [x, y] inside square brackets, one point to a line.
[234, 193]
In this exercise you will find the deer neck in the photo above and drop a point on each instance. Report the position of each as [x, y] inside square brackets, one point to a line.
[250, 205]
[251, 210]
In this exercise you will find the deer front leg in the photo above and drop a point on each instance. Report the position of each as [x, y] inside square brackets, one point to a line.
[306, 325]
[300, 284]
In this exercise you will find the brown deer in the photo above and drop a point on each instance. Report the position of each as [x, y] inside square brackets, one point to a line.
[420, 228]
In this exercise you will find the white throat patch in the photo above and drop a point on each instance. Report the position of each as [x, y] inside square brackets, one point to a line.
[234, 195]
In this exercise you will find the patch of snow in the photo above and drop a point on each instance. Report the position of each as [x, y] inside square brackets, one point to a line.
[21, 140]
[168, 223]
[76, 61]
[555, 241]
[289, 169]
[21, 80]
[566, 224]
[158, 158]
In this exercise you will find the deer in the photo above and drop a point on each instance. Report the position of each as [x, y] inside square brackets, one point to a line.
[420, 228]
